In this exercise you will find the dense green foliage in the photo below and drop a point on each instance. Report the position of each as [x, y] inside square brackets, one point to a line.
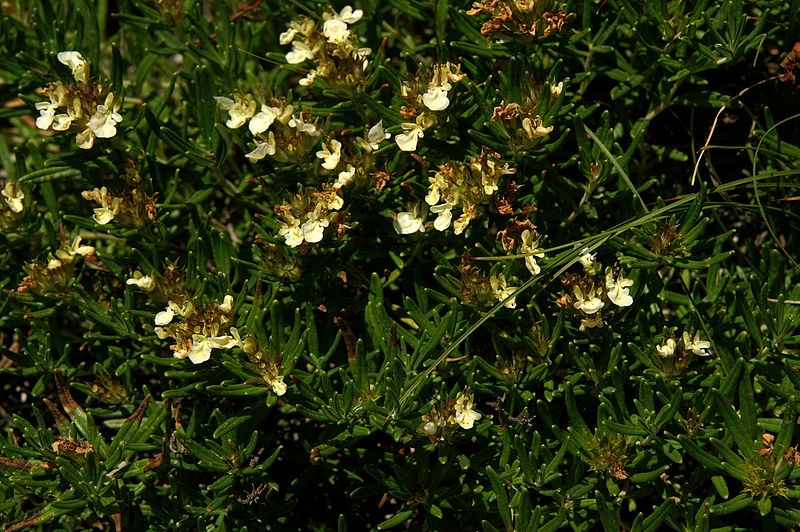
[433, 265]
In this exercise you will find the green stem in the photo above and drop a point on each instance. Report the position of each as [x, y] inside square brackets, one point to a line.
[587, 192]
[666, 102]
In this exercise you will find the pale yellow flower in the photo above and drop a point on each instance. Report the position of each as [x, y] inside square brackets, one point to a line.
[408, 141]
[268, 147]
[345, 176]
[47, 112]
[68, 252]
[278, 386]
[85, 139]
[13, 196]
[348, 15]
[287, 36]
[166, 316]
[202, 346]
[501, 291]
[617, 289]
[530, 247]
[297, 122]
[373, 138]
[299, 53]
[444, 215]
[145, 282]
[534, 128]
[330, 156]
[465, 416]
[292, 234]
[436, 99]
[76, 63]
[696, 346]
[335, 31]
[588, 262]
[314, 228]
[227, 303]
[109, 205]
[667, 349]
[408, 222]
[240, 109]
[588, 303]
[262, 120]
[104, 122]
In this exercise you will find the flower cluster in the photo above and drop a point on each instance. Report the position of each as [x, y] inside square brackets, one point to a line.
[673, 354]
[685, 346]
[279, 130]
[521, 236]
[522, 121]
[132, 206]
[522, 17]
[267, 365]
[425, 96]
[199, 330]
[304, 219]
[465, 186]
[87, 108]
[333, 49]
[55, 275]
[586, 296]
[481, 290]
[289, 135]
[359, 164]
[440, 423]
[195, 329]
[353, 166]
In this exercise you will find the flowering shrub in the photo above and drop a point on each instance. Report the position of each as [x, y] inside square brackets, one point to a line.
[431, 265]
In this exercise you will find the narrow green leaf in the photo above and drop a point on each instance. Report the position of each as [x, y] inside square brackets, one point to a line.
[608, 517]
[649, 476]
[222, 251]
[579, 430]
[204, 102]
[441, 15]
[786, 432]
[397, 519]
[740, 502]
[706, 459]
[502, 497]
[734, 425]
[765, 506]
[652, 522]
[237, 390]
[230, 424]
[720, 485]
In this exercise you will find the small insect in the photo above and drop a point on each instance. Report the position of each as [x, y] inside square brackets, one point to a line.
[252, 496]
